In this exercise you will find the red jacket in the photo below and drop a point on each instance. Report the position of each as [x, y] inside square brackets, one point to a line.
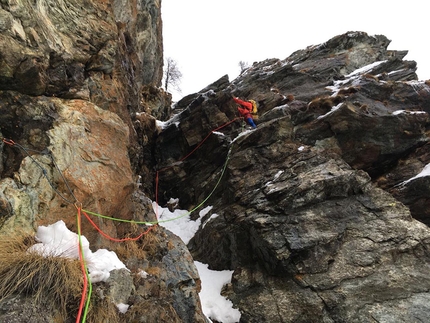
[245, 109]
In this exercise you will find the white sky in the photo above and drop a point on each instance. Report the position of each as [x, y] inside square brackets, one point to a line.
[208, 39]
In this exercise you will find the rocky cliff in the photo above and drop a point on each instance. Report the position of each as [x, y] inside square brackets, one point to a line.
[318, 211]
[79, 98]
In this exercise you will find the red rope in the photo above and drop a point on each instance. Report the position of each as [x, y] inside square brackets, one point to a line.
[156, 194]
[81, 255]
[80, 211]
[9, 141]
[185, 157]
[112, 238]
[201, 142]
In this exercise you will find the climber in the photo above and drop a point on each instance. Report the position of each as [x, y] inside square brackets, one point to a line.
[245, 108]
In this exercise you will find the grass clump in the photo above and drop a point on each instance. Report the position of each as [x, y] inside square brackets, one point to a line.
[49, 280]
[147, 245]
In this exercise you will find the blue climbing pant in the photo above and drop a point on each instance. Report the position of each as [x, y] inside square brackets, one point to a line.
[251, 122]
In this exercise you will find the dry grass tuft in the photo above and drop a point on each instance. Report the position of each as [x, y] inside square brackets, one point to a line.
[154, 271]
[140, 249]
[16, 243]
[151, 240]
[51, 280]
[129, 249]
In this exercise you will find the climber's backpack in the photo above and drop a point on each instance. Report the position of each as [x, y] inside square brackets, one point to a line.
[254, 111]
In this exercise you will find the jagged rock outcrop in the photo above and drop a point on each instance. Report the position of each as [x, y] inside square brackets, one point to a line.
[315, 209]
[79, 99]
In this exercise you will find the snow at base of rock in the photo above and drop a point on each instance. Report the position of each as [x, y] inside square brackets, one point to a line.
[214, 305]
[56, 240]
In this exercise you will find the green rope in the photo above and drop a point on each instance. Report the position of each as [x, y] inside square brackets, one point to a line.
[90, 287]
[90, 292]
[44, 172]
[175, 218]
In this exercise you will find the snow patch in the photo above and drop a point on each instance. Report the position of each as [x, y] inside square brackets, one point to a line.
[56, 240]
[333, 109]
[423, 173]
[142, 274]
[123, 308]
[218, 133]
[277, 175]
[397, 112]
[365, 69]
[179, 221]
[214, 305]
[164, 124]
[213, 216]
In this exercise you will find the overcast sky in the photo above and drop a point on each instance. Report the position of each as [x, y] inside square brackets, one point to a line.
[208, 38]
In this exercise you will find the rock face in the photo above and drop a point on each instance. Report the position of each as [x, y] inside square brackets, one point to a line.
[74, 79]
[79, 99]
[316, 208]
